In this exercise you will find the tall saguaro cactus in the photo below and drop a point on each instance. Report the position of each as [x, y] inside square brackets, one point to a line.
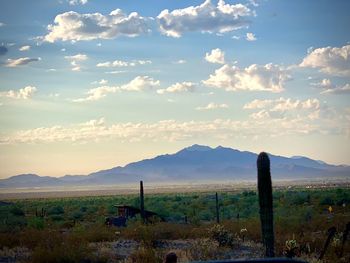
[142, 203]
[265, 203]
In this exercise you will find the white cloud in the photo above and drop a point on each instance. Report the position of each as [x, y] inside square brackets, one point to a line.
[283, 104]
[77, 2]
[115, 72]
[139, 83]
[236, 37]
[2, 24]
[330, 60]
[287, 108]
[20, 61]
[180, 61]
[338, 90]
[206, 17]
[213, 106]
[178, 87]
[98, 93]
[120, 63]
[267, 77]
[75, 59]
[257, 104]
[328, 88]
[250, 37]
[72, 26]
[101, 82]
[25, 93]
[24, 48]
[215, 56]
[324, 83]
[254, 3]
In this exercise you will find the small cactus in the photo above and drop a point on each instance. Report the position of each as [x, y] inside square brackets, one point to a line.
[265, 203]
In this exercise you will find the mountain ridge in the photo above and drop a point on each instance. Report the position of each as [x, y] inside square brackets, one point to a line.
[193, 163]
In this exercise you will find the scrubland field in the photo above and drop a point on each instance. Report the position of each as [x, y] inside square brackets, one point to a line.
[72, 229]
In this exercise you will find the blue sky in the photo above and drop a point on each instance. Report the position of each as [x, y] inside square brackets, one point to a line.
[88, 85]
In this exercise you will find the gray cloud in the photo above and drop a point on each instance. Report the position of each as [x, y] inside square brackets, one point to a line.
[3, 50]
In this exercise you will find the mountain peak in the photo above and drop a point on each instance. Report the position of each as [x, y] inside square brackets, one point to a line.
[199, 148]
[28, 176]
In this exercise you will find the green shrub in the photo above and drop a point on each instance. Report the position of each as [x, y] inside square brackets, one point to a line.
[327, 201]
[16, 211]
[36, 222]
[77, 215]
[57, 218]
[55, 210]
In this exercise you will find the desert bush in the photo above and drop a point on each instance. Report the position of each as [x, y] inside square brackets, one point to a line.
[146, 255]
[65, 252]
[327, 200]
[16, 211]
[57, 218]
[299, 198]
[36, 222]
[9, 240]
[56, 210]
[32, 238]
[77, 215]
[220, 234]
[203, 249]
[94, 233]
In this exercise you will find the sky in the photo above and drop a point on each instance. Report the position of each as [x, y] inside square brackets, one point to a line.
[89, 85]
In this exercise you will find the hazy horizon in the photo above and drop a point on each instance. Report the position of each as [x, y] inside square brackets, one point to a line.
[90, 85]
[151, 157]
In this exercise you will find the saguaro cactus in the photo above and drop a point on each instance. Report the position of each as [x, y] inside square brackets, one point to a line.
[217, 208]
[142, 203]
[265, 203]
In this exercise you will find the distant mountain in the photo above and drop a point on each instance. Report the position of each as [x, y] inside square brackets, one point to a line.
[196, 163]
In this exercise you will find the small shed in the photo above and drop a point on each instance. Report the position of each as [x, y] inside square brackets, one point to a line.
[128, 211]
[125, 212]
